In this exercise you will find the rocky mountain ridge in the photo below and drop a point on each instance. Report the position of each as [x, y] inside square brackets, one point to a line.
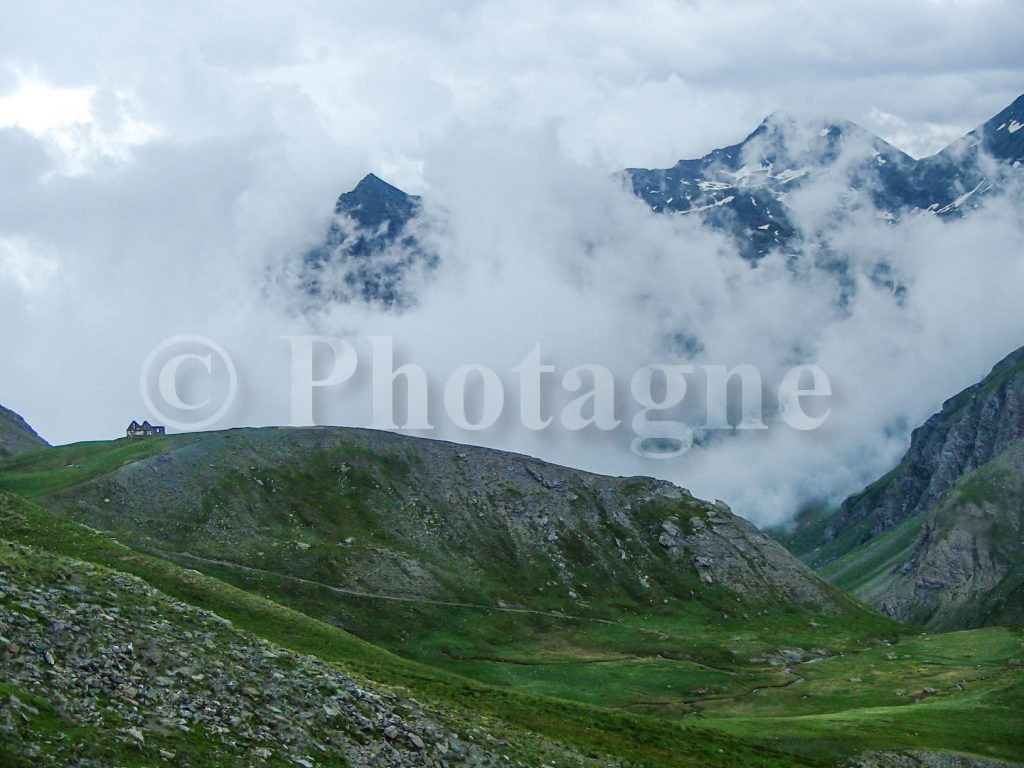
[743, 189]
[376, 247]
[938, 540]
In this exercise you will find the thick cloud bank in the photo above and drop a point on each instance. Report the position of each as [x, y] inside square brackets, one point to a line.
[537, 249]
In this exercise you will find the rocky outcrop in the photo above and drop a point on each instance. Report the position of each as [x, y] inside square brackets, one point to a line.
[727, 550]
[16, 436]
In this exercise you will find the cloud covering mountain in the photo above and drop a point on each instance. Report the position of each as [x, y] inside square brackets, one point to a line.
[160, 181]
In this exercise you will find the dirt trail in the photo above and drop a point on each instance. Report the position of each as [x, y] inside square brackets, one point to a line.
[168, 555]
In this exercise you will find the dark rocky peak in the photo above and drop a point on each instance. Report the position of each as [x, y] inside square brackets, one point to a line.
[1002, 134]
[371, 249]
[957, 178]
[374, 202]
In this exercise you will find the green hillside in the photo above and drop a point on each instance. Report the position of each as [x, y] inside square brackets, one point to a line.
[606, 735]
[347, 536]
[461, 558]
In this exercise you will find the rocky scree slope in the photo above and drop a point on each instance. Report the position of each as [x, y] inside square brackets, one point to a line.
[920, 759]
[97, 666]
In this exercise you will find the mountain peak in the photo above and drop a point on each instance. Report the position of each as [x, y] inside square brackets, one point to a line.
[373, 182]
[817, 140]
[368, 249]
[784, 119]
[741, 188]
[373, 201]
[1014, 109]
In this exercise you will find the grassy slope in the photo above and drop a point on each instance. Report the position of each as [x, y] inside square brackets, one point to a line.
[863, 571]
[290, 507]
[645, 652]
[53, 469]
[596, 731]
[875, 699]
[645, 660]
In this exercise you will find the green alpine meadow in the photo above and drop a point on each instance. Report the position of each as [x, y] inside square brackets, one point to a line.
[501, 608]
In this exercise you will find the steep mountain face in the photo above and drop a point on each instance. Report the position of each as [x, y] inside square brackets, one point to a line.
[16, 436]
[372, 248]
[938, 541]
[966, 566]
[388, 514]
[972, 428]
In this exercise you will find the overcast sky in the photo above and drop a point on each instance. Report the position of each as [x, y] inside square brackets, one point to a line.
[636, 83]
[158, 157]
